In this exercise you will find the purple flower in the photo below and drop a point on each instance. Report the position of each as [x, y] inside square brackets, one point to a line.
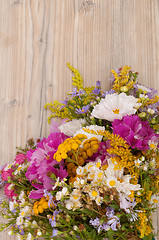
[75, 92]
[102, 153]
[111, 91]
[114, 223]
[83, 110]
[97, 89]
[136, 132]
[51, 201]
[52, 220]
[96, 223]
[98, 84]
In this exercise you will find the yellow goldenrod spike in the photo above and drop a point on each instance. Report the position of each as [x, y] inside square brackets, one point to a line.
[77, 80]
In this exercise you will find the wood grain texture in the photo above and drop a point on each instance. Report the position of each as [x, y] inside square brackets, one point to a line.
[38, 38]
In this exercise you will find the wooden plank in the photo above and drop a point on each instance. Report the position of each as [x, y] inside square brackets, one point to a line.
[38, 38]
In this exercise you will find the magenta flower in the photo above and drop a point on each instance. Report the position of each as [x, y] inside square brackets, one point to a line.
[20, 158]
[8, 192]
[42, 165]
[102, 153]
[6, 174]
[136, 132]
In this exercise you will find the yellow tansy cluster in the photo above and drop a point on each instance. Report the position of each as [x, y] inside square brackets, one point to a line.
[142, 225]
[79, 156]
[122, 81]
[68, 145]
[91, 146]
[40, 206]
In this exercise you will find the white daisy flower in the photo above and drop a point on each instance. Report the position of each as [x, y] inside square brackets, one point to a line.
[69, 205]
[93, 193]
[155, 200]
[8, 166]
[12, 205]
[80, 170]
[75, 195]
[27, 223]
[65, 191]
[89, 135]
[24, 211]
[19, 220]
[21, 195]
[29, 236]
[152, 144]
[138, 163]
[10, 233]
[115, 106]
[126, 187]
[19, 169]
[39, 233]
[111, 182]
[143, 88]
[59, 195]
[71, 127]
[99, 200]
[151, 111]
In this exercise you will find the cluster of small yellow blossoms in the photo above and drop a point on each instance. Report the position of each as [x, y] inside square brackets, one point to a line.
[57, 110]
[79, 156]
[124, 158]
[122, 82]
[40, 206]
[77, 80]
[68, 145]
[142, 225]
[155, 99]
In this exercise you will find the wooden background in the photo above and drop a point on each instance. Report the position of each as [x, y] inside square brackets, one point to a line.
[38, 38]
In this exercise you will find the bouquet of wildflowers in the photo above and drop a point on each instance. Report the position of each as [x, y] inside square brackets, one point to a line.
[96, 175]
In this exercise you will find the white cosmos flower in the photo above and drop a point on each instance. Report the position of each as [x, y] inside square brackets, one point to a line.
[115, 106]
[89, 135]
[71, 127]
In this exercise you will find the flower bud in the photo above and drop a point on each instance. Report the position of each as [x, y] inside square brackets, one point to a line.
[142, 115]
[124, 89]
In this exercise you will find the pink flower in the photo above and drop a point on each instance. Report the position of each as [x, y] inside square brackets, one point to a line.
[6, 174]
[42, 164]
[20, 158]
[9, 193]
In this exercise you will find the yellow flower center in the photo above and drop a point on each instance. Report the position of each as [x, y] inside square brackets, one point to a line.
[98, 164]
[75, 197]
[112, 183]
[23, 213]
[100, 174]
[116, 111]
[155, 200]
[94, 193]
[152, 145]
